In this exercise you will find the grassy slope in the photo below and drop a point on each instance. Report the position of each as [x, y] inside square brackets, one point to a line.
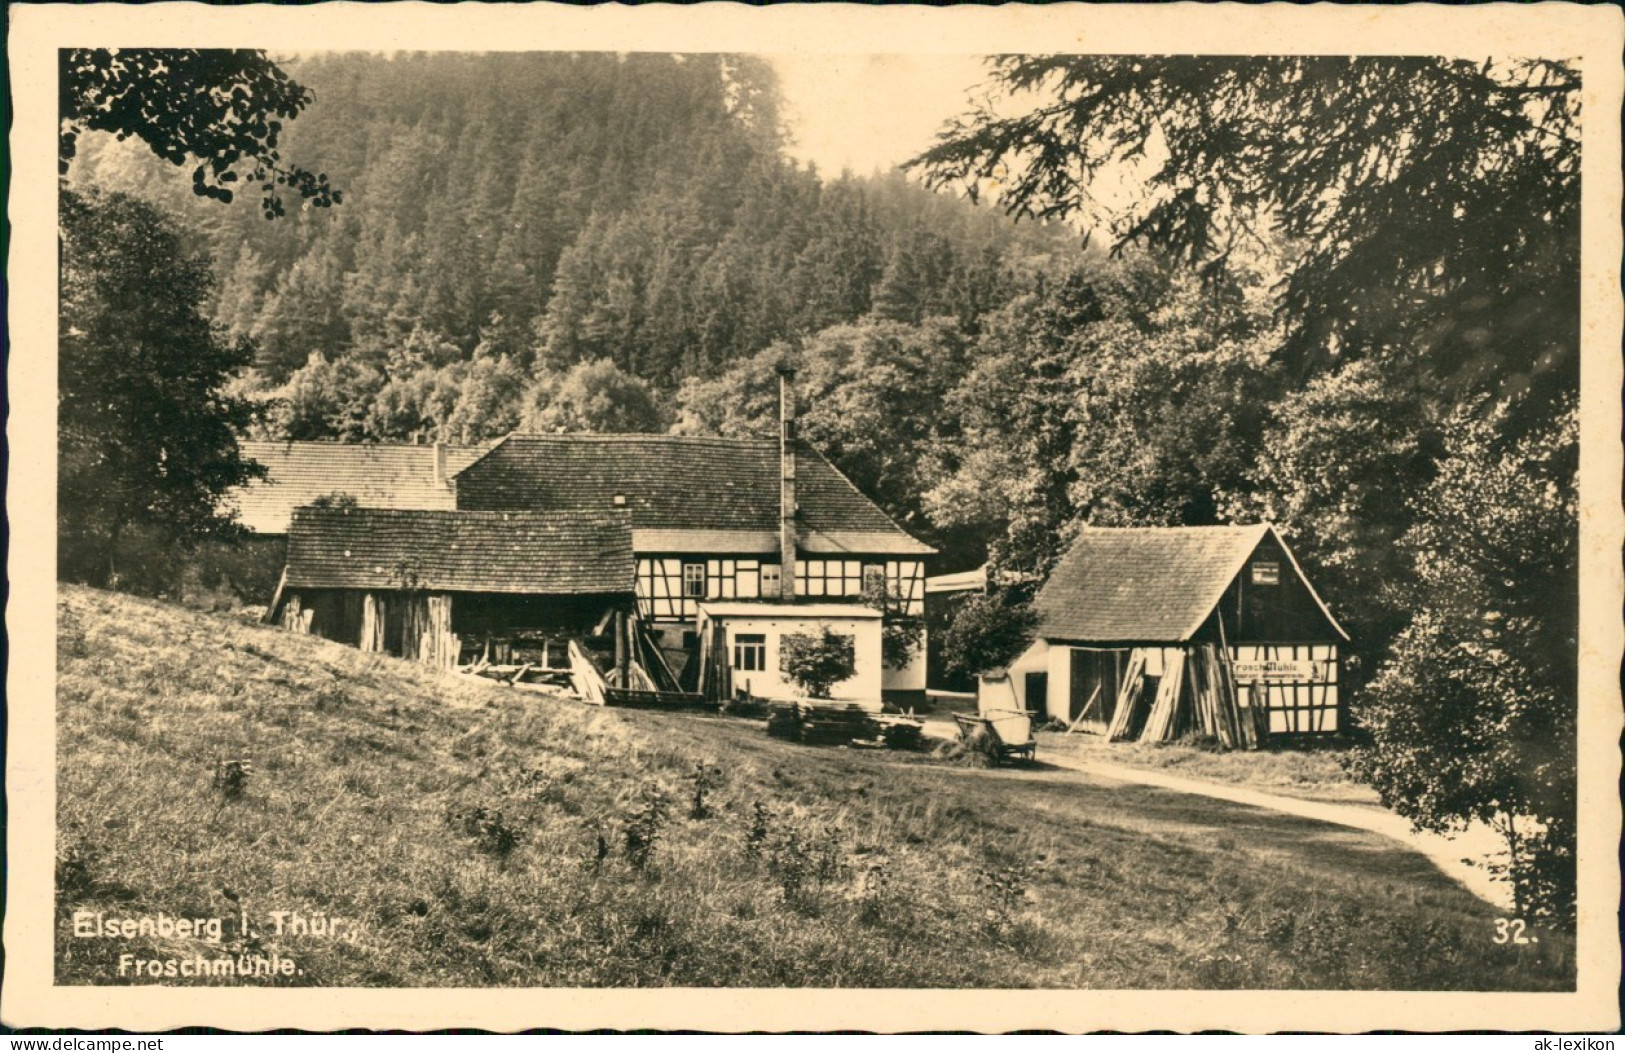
[875, 869]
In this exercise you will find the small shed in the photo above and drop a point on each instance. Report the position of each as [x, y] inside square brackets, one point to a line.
[1128, 607]
[431, 585]
[741, 648]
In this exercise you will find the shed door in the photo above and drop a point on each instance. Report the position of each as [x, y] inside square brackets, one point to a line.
[1096, 676]
[1038, 693]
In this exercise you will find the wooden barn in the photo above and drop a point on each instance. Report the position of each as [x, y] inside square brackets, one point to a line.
[1132, 620]
[447, 587]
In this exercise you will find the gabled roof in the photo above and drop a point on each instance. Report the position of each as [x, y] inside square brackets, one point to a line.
[377, 475]
[447, 551]
[684, 489]
[1150, 585]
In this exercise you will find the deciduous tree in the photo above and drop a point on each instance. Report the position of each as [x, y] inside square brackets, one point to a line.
[146, 432]
[595, 396]
[1430, 204]
[1474, 715]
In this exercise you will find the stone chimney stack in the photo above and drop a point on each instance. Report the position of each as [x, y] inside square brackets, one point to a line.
[787, 483]
[440, 464]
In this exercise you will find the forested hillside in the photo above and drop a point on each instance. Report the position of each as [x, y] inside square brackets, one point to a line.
[508, 217]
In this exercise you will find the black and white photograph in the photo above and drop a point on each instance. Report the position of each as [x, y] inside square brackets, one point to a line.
[651, 511]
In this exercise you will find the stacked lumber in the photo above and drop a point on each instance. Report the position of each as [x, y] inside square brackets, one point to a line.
[1162, 724]
[834, 723]
[823, 722]
[1196, 695]
[588, 681]
[1127, 721]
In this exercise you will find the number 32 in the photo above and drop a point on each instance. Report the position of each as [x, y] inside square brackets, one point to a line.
[1510, 930]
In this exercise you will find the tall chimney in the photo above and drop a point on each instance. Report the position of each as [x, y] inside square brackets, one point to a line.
[439, 463]
[787, 483]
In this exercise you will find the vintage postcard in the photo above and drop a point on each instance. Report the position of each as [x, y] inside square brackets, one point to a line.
[1068, 517]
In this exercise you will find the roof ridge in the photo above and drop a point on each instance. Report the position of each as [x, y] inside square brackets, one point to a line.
[345, 444]
[468, 513]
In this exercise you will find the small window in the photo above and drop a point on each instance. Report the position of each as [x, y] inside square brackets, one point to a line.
[1266, 574]
[874, 580]
[694, 580]
[750, 652]
[770, 581]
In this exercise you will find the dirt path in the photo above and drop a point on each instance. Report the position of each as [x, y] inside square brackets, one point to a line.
[1462, 857]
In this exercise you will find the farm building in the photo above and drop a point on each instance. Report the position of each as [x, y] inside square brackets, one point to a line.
[721, 520]
[371, 475]
[1132, 620]
[710, 520]
[706, 526]
[446, 587]
[741, 648]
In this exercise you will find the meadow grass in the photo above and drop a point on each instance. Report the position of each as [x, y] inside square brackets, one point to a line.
[1313, 770]
[472, 835]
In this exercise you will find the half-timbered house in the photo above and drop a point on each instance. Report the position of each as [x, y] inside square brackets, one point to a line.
[721, 520]
[1125, 607]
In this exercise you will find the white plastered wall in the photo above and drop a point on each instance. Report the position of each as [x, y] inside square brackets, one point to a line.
[912, 676]
[864, 686]
[998, 692]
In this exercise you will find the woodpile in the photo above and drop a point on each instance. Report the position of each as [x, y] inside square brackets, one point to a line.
[830, 723]
[1196, 695]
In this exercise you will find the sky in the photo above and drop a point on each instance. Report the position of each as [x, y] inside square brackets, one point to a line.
[870, 111]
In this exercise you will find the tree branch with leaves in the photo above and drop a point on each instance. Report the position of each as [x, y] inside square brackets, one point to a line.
[220, 108]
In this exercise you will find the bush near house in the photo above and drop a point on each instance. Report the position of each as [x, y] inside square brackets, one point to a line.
[987, 632]
[816, 662]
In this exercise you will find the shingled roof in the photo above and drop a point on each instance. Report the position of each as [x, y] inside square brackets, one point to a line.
[1148, 585]
[684, 493]
[377, 476]
[447, 551]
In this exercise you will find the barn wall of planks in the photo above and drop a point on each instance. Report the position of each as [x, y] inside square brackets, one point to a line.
[408, 624]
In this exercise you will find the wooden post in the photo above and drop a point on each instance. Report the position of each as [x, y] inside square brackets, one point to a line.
[438, 646]
[293, 618]
[621, 658]
[374, 610]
